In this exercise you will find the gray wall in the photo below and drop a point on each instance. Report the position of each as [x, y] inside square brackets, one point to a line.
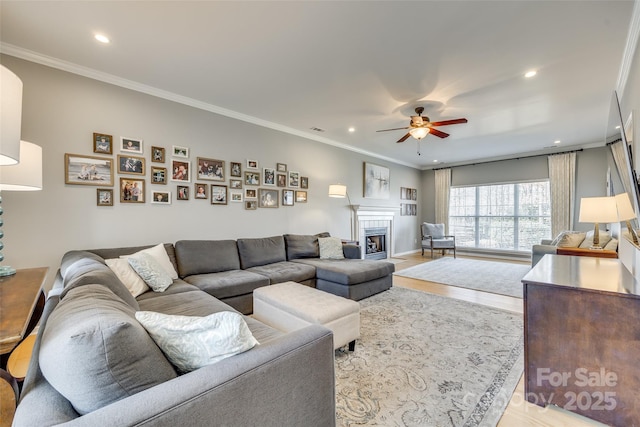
[62, 110]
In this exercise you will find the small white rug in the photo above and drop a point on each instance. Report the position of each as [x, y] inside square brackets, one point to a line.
[488, 276]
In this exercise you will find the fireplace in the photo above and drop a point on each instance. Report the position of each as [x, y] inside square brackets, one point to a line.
[375, 243]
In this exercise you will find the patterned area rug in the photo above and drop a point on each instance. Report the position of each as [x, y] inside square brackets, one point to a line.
[489, 276]
[426, 360]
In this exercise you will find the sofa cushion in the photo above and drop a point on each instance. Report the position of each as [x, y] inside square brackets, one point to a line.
[603, 236]
[120, 252]
[330, 248]
[227, 284]
[206, 256]
[127, 276]
[285, 271]
[612, 245]
[569, 239]
[263, 251]
[193, 342]
[94, 352]
[151, 271]
[349, 271]
[301, 246]
[177, 287]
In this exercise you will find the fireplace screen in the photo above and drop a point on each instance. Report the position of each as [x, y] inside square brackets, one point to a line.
[376, 243]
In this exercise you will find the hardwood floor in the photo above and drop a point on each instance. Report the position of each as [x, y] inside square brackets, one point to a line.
[519, 412]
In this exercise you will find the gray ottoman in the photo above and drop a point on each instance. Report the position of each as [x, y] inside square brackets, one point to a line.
[290, 306]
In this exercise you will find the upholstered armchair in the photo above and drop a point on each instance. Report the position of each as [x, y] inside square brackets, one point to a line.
[433, 237]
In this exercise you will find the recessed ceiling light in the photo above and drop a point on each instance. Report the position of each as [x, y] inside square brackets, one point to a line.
[435, 161]
[352, 129]
[557, 141]
[530, 74]
[102, 38]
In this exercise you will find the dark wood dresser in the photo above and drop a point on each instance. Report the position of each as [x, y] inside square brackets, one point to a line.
[582, 338]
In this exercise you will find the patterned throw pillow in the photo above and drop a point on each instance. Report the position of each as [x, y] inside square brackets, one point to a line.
[571, 239]
[193, 342]
[159, 253]
[127, 276]
[151, 272]
[330, 248]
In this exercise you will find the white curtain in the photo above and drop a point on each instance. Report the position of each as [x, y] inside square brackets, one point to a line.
[619, 156]
[562, 181]
[443, 189]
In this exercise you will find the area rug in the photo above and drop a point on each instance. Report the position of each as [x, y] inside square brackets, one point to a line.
[489, 276]
[427, 360]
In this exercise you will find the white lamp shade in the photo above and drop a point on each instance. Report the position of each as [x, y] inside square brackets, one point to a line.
[419, 133]
[337, 190]
[26, 175]
[598, 209]
[10, 117]
[625, 210]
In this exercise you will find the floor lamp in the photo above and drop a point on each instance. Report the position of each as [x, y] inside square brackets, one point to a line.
[340, 191]
[25, 176]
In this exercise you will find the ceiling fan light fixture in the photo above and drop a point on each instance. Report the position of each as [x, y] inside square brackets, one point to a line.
[419, 133]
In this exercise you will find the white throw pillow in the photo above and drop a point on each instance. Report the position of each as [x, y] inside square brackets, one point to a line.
[604, 237]
[612, 245]
[160, 254]
[330, 248]
[571, 240]
[193, 342]
[151, 272]
[127, 276]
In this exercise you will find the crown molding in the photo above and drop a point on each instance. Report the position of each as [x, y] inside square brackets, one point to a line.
[70, 67]
[629, 49]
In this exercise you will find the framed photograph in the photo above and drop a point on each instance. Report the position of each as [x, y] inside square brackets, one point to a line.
[218, 194]
[131, 190]
[235, 169]
[281, 167]
[157, 154]
[210, 169]
[130, 165]
[250, 193]
[376, 181]
[287, 197]
[161, 197]
[269, 176]
[236, 196]
[251, 178]
[252, 164]
[183, 192]
[301, 196]
[251, 205]
[131, 145]
[178, 151]
[102, 143]
[158, 175]
[105, 197]
[304, 182]
[414, 194]
[235, 184]
[200, 191]
[403, 193]
[180, 171]
[281, 179]
[268, 198]
[294, 179]
[87, 170]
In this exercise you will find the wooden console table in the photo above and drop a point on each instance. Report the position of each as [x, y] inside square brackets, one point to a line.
[582, 337]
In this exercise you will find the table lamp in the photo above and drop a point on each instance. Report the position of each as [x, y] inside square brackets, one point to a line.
[598, 210]
[626, 213]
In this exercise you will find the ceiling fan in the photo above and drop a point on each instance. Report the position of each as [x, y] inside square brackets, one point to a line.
[420, 126]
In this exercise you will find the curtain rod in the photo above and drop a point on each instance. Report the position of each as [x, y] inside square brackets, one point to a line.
[614, 142]
[515, 158]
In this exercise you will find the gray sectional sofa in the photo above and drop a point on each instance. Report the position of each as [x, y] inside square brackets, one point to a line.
[94, 364]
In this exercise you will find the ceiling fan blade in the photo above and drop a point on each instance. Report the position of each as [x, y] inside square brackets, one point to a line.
[385, 130]
[404, 138]
[449, 122]
[437, 132]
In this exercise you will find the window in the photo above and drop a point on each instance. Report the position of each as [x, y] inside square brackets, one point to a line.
[506, 216]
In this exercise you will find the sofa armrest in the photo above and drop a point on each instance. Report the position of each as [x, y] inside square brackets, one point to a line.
[270, 385]
[352, 251]
[546, 241]
[538, 251]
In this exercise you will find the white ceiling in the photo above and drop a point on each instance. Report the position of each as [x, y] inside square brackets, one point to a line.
[367, 64]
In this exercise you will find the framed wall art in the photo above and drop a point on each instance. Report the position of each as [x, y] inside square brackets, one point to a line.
[252, 164]
[130, 165]
[281, 179]
[294, 179]
[161, 197]
[200, 191]
[269, 176]
[281, 167]
[87, 170]
[131, 190]
[267, 198]
[251, 178]
[183, 192]
[250, 193]
[287, 197]
[210, 169]
[301, 196]
[158, 175]
[182, 152]
[131, 145]
[218, 194]
[251, 205]
[235, 184]
[376, 181]
[235, 169]
[304, 182]
[180, 171]
[236, 196]
[157, 154]
[102, 143]
[104, 197]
